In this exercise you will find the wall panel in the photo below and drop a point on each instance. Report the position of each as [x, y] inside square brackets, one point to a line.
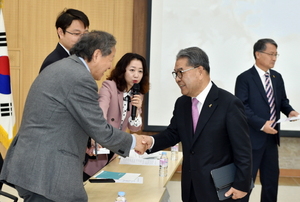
[31, 34]
[11, 15]
[11, 20]
[15, 61]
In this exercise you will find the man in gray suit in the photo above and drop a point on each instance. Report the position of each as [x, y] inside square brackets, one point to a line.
[45, 159]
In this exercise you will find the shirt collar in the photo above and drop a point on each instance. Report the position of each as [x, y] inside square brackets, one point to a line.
[126, 93]
[64, 48]
[202, 96]
[83, 61]
[260, 71]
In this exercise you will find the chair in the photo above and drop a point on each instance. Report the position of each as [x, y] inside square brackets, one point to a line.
[3, 193]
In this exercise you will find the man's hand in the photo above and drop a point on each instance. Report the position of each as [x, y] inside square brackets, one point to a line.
[293, 114]
[268, 129]
[148, 140]
[90, 151]
[236, 194]
[141, 145]
[143, 142]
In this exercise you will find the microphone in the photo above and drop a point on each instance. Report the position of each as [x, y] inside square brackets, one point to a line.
[135, 91]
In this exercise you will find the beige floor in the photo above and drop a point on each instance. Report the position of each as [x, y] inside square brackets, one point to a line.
[288, 191]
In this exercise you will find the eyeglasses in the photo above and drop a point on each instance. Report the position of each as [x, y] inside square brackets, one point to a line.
[179, 73]
[271, 54]
[77, 33]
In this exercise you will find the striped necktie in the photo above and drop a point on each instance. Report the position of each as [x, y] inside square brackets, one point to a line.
[270, 97]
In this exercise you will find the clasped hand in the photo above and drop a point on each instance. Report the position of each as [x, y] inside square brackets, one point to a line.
[143, 142]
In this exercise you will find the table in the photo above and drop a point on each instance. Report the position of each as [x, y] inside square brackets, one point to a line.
[153, 188]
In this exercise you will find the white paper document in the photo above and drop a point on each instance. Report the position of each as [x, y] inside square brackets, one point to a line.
[102, 151]
[288, 119]
[138, 180]
[155, 155]
[145, 159]
[139, 161]
[130, 176]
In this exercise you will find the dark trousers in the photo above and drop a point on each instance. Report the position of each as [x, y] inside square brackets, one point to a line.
[29, 196]
[265, 160]
[192, 197]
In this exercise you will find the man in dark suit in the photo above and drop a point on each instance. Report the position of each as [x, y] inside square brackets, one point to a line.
[70, 25]
[221, 134]
[251, 88]
[45, 159]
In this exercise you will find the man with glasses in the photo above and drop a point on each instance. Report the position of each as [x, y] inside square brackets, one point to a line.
[212, 127]
[262, 91]
[71, 24]
[61, 112]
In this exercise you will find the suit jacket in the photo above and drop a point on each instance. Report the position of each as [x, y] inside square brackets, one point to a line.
[61, 112]
[57, 54]
[221, 137]
[250, 90]
[111, 103]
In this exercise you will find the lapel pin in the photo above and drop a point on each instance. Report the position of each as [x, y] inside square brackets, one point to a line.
[210, 105]
[273, 76]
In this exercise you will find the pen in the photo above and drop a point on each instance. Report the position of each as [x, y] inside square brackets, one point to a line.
[96, 180]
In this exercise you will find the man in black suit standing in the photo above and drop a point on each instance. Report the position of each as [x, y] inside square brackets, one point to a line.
[71, 24]
[262, 91]
[219, 137]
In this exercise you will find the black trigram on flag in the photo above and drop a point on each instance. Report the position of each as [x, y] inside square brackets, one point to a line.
[3, 39]
[6, 109]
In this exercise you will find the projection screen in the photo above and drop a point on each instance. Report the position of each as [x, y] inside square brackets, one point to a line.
[226, 30]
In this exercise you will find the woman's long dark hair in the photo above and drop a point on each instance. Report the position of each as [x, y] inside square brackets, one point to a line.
[118, 73]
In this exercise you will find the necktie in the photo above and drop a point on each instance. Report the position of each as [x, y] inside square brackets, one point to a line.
[270, 97]
[195, 112]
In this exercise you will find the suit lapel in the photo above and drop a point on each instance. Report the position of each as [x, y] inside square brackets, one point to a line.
[274, 83]
[187, 114]
[120, 101]
[258, 83]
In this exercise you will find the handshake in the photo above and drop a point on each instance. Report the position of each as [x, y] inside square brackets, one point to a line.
[143, 142]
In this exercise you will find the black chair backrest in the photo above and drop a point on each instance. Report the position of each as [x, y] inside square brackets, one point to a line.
[14, 198]
[1, 164]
